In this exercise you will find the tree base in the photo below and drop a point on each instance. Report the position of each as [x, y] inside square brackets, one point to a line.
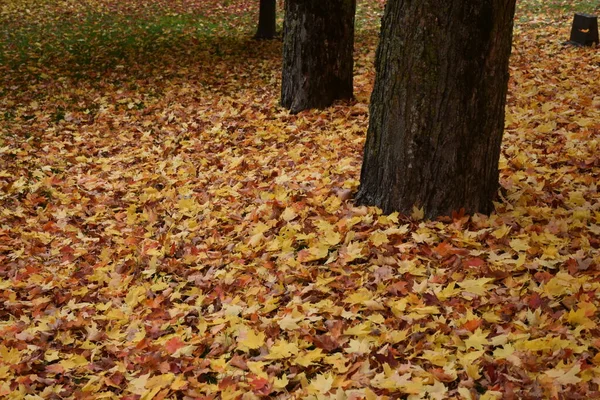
[318, 44]
[437, 107]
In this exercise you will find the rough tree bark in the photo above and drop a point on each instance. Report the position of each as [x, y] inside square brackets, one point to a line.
[318, 41]
[267, 14]
[437, 108]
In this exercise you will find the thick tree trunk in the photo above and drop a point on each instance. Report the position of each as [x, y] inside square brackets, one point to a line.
[318, 41]
[437, 108]
[267, 14]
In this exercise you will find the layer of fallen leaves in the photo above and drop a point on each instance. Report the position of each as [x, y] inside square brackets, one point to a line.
[168, 231]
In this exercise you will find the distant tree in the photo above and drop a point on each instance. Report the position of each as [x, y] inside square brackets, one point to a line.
[437, 108]
[267, 27]
[318, 42]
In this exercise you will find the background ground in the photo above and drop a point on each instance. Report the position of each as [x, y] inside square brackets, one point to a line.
[168, 231]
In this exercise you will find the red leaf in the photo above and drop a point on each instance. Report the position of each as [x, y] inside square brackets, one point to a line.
[174, 344]
[55, 369]
[535, 301]
[472, 324]
[326, 342]
[475, 262]
[444, 249]
[260, 386]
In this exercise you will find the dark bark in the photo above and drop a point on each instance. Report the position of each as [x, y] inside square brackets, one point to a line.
[318, 41]
[437, 108]
[267, 14]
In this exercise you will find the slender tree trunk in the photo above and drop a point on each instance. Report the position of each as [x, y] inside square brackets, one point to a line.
[318, 41]
[437, 108]
[266, 20]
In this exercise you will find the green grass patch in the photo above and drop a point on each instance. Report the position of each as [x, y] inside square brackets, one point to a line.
[558, 6]
[96, 38]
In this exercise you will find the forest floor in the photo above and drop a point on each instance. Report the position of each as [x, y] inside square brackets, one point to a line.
[168, 231]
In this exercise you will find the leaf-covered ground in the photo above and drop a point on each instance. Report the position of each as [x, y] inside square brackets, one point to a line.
[168, 231]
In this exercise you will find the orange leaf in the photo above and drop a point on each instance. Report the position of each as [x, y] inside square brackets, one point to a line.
[472, 324]
[55, 369]
[174, 344]
[260, 386]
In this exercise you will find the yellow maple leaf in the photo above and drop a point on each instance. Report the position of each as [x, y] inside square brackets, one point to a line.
[580, 318]
[550, 253]
[187, 350]
[309, 357]
[331, 238]
[425, 310]
[401, 230]
[465, 393]
[180, 382]
[378, 238]
[561, 377]
[188, 206]
[256, 239]
[281, 383]
[358, 346]
[288, 214]
[437, 391]
[218, 364]
[447, 292]
[260, 227]
[359, 297]
[353, 251]
[5, 372]
[436, 357]
[397, 336]
[508, 352]
[132, 215]
[138, 385]
[338, 361]
[548, 127]
[74, 361]
[135, 295]
[547, 107]
[313, 253]
[501, 232]
[321, 384]
[470, 358]
[595, 229]
[258, 368]
[472, 371]
[562, 283]
[584, 122]
[392, 381]
[388, 219]
[422, 237]
[332, 204]
[282, 349]
[491, 317]
[289, 322]
[491, 395]
[360, 330]
[160, 381]
[577, 198]
[519, 245]
[51, 355]
[477, 340]
[251, 340]
[477, 286]
[398, 306]
[417, 213]
[9, 355]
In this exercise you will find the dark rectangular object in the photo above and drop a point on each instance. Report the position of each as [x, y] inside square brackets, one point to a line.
[585, 30]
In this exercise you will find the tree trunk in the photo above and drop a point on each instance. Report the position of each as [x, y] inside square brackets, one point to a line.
[318, 41]
[437, 108]
[267, 13]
